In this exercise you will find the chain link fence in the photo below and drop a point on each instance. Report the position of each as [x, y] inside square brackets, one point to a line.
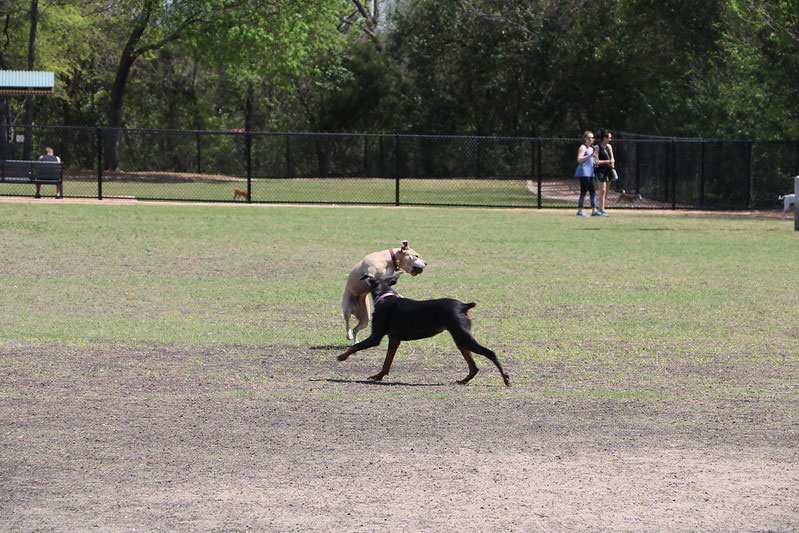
[399, 169]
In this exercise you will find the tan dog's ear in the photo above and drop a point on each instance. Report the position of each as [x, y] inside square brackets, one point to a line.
[404, 245]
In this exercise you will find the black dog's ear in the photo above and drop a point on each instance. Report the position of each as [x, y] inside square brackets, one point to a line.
[404, 245]
[393, 279]
[369, 279]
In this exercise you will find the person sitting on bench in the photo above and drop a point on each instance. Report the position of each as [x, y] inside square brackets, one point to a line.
[49, 156]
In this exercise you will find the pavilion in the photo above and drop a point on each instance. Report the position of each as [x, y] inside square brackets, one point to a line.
[26, 82]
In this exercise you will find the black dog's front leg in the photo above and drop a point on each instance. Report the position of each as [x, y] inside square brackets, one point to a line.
[393, 344]
[373, 340]
[379, 328]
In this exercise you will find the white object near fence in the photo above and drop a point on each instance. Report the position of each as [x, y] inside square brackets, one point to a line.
[796, 204]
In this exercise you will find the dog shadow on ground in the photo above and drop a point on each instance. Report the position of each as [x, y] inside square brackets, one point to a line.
[380, 383]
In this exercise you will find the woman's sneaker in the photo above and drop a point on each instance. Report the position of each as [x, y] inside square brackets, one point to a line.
[581, 214]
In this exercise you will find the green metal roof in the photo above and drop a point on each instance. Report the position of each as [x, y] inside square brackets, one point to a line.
[26, 82]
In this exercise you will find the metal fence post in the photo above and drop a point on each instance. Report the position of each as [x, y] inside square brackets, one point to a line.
[673, 165]
[397, 169]
[248, 144]
[637, 169]
[289, 171]
[477, 162]
[199, 156]
[381, 159]
[365, 155]
[796, 204]
[4, 131]
[751, 176]
[532, 166]
[539, 167]
[99, 163]
[796, 194]
[702, 175]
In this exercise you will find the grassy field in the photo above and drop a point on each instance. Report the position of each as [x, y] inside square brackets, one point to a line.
[546, 281]
[660, 342]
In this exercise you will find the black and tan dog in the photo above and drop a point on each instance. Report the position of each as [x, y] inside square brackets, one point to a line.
[403, 319]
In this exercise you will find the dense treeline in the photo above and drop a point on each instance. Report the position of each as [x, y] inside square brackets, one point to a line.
[712, 68]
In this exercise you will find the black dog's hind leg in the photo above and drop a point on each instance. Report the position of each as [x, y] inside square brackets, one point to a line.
[465, 341]
[472, 367]
[393, 344]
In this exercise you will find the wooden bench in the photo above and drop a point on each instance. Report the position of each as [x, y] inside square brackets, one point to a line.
[35, 172]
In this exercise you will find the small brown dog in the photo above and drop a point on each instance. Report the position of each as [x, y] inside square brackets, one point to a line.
[629, 198]
[241, 192]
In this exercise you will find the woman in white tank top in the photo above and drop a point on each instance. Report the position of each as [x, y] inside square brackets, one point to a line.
[586, 156]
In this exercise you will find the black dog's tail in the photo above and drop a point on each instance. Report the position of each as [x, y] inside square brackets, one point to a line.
[465, 307]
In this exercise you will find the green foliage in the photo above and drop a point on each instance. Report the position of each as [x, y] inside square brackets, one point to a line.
[718, 68]
[279, 41]
[761, 68]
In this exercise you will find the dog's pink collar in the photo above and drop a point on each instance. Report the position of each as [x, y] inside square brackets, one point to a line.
[394, 262]
[390, 293]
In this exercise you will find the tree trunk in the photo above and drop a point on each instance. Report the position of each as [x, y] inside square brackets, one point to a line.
[5, 128]
[115, 110]
[27, 146]
[133, 50]
[126, 61]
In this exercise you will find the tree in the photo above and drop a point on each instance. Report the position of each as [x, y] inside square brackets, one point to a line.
[150, 25]
[367, 18]
[248, 39]
[761, 65]
[11, 23]
[488, 66]
[31, 99]
[268, 47]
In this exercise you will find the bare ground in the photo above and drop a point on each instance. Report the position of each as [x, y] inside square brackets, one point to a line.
[148, 437]
[764, 214]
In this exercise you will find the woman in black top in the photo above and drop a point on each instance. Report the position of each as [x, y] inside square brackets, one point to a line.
[605, 162]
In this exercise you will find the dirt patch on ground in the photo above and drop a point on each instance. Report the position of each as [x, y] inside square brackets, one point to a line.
[663, 210]
[147, 437]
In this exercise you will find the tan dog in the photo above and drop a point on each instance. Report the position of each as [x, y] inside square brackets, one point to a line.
[379, 265]
[629, 198]
[241, 192]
